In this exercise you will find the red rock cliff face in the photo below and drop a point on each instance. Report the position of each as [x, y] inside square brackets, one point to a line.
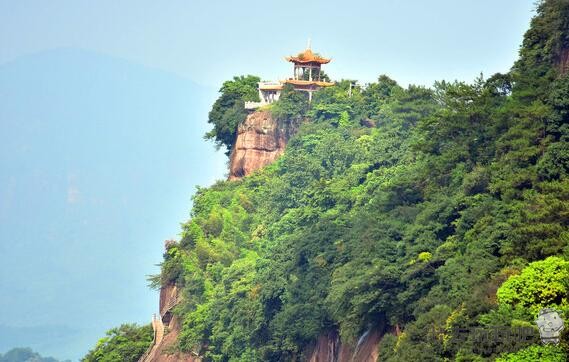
[166, 350]
[563, 61]
[329, 348]
[260, 140]
[166, 332]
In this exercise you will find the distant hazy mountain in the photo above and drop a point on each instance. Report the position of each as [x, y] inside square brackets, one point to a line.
[98, 160]
[24, 355]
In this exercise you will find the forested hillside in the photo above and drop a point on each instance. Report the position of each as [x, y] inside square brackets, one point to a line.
[416, 211]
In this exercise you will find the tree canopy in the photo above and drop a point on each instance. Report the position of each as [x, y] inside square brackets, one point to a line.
[228, 110]
[125, 343]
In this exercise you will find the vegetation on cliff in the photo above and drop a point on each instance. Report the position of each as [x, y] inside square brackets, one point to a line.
[228, 111]
[409, 206]
[423, 209]
[125, 343]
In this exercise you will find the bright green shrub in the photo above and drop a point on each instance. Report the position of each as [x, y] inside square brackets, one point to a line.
[547, 353]
[541, 284]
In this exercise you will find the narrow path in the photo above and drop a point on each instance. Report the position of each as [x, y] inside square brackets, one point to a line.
[158, 328]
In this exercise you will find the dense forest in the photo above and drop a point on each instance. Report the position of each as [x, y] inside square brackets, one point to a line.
[418, 211]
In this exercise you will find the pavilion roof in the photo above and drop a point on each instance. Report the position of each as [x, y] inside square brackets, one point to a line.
[308, 56]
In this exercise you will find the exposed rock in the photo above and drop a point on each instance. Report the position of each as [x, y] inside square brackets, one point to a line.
[260, 141]
[166, 331]
[168, 298]
[166, 352]
[329, 348]
[563, 61]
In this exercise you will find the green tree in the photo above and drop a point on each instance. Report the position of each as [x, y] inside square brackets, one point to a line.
[541, 284]
[292, 104]
[125, 343]
[546, 353]
[228, 110]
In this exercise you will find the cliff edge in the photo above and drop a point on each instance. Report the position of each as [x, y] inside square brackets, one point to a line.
[166, 331]
[260, 141]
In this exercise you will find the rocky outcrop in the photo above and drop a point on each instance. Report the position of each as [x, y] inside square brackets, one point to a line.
[166, 330]
[165, 351]
[260, 141]
[329, 348]
[563, 61]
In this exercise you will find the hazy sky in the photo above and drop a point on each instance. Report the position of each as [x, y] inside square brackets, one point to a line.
[99, 157]
[103, 105]
[208, 41]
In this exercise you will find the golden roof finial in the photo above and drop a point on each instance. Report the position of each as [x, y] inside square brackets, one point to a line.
[308, 45]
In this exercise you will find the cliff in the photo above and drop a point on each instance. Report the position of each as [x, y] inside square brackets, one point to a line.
[329, 348]
[260, 141]
[166, 331]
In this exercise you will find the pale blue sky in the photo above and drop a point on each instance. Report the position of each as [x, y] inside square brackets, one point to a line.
[103, 105]
[210, 40]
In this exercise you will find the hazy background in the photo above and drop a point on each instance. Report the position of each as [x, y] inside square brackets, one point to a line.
[102, 110]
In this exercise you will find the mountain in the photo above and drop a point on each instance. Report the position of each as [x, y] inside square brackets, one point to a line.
[399, 224]
[24, 355]
[99, 158]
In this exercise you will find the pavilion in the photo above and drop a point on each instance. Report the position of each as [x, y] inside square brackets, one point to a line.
[307, 77]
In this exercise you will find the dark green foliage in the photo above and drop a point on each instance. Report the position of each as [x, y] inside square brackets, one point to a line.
[394, 207]
[542, 49]
[291, 105]
[228, 110]
[126, 343]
